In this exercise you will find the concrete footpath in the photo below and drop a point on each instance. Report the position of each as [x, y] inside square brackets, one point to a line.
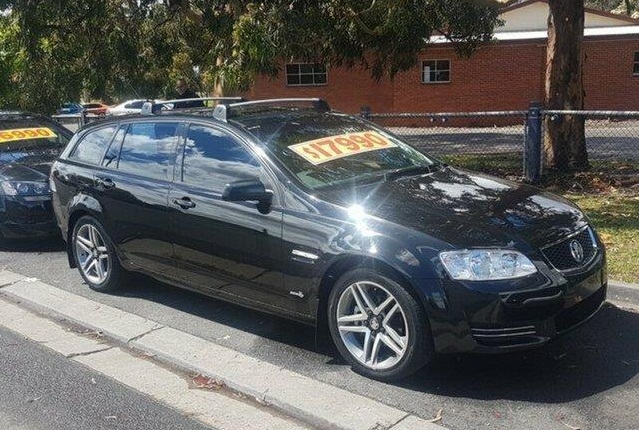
[242, 391]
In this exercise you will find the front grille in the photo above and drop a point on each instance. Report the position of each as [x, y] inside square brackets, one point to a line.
[573, 315]
[561, 256]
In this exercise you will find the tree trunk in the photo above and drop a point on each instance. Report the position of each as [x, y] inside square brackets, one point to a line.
[564, 136]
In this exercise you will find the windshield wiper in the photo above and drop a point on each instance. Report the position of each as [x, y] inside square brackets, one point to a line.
[408, 171]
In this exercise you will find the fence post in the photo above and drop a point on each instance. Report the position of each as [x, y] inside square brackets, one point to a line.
[532, 144]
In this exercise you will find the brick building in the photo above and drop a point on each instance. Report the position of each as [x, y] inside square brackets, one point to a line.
[505, 74]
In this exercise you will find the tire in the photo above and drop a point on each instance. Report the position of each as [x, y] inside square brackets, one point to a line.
[108, 276]
[397, 332]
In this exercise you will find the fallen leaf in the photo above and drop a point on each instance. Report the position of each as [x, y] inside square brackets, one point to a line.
[438, 417]
[204, 382]
[93, 381]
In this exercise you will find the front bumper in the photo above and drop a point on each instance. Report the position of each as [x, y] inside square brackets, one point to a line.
[481, 320]
[26, 219]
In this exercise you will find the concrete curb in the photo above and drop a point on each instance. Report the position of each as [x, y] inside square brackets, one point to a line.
[215, 407]
[620, 284]
[623, 292]
[308, 400]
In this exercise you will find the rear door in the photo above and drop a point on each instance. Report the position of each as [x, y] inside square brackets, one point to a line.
[227, 247]
[132, 186]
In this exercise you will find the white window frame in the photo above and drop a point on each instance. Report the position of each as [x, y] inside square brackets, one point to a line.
[436, 60]
[300, 74]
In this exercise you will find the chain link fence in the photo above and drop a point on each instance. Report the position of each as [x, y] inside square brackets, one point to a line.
[447, 135]
[495, 142]
[610, 135]
[74, 121]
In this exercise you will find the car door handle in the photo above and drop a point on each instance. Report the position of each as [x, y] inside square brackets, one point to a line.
[105, 182]
[184, 203]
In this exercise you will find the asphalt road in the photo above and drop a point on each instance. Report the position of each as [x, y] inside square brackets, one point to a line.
[42, 390]
[585, 379]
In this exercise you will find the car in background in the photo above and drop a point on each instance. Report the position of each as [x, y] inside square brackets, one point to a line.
[330, 220]
[29, 144]
[95, 108]
[128, 107]
[70, 108]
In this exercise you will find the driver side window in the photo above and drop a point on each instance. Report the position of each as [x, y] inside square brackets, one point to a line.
[213, 159]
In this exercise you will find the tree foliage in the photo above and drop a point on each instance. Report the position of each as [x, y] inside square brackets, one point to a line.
[60, 50]
[626, 7]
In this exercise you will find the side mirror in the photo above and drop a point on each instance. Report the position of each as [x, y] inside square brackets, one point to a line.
[248, 190]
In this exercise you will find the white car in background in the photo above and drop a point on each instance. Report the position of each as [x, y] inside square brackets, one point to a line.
[128, 107]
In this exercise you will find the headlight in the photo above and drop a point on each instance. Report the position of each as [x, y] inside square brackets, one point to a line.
[27, 189]
[486, 264]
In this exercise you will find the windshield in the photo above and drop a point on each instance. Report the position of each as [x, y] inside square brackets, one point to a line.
[325, 150]
[26, 134]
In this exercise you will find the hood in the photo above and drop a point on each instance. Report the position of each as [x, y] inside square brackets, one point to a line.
[466, 209]
[27, 165]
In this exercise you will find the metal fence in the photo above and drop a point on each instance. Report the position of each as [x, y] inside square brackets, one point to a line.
[609, 134]
[507, 138]
[508, 141]
[458, 133]
[74, 121]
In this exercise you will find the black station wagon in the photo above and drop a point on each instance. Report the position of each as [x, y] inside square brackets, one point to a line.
[290, 208]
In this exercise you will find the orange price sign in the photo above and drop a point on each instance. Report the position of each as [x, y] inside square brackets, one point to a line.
[26, 133]
[330, 148]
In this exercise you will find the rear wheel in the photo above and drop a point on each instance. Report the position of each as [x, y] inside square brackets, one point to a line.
[95, 256]
[378, 326]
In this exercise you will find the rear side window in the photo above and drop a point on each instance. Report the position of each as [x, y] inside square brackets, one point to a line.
[92, 146]
[111, 156]
[149, 149]
[212, 159]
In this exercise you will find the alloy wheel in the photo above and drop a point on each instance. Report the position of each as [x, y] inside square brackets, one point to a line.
[372, 325]
[92, 253]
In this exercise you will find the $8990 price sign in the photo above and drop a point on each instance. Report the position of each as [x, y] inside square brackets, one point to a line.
[26, 133]
[320, 151]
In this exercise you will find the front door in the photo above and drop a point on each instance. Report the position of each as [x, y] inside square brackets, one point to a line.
[227, 247]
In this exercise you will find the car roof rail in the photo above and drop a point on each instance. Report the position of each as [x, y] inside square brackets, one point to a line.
[152, 108]
[224, 111]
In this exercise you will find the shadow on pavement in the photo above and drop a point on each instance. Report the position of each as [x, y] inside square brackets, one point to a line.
[600, 355]
[53, 244]
[258, 323]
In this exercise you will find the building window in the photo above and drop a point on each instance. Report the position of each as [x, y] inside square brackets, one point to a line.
[305, 74]
[636, 65]
[435, 71]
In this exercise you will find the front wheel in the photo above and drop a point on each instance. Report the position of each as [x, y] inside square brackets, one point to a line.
[95, 256]
[378, 326]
